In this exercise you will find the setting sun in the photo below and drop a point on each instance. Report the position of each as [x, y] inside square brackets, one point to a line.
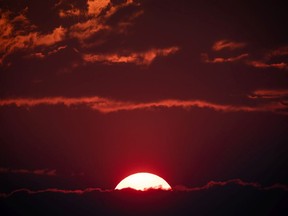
[143, 181]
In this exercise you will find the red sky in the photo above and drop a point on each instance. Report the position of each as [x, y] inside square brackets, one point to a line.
[94, 90]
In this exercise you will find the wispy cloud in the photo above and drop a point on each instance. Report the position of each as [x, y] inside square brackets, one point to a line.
[57, 50]
[47, 172]
[263, 64]
[139, 58]
[226, 44]
[280, 51]
[272, 59]
[39, 55]
[206, 58]
[105, 105]
[47, 52]
[270, 93]
[238, 182]
[99, 12]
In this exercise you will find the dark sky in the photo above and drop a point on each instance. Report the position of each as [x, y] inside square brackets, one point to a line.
[94, 90]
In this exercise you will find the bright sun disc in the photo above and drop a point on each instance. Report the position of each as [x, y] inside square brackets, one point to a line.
[143, 181]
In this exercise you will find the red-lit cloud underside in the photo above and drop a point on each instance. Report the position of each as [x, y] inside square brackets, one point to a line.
[105, 105]
[19, 34]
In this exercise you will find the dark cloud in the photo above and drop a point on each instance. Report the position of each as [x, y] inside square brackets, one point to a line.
[238, 182]
[52, 190]
[233, 197]
[26, 171]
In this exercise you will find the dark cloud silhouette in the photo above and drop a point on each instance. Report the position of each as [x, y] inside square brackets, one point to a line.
[178, 188]
[239, 198]
[52, 190]
[238, 182]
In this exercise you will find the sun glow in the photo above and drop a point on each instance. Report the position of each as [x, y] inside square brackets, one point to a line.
[143, 181]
